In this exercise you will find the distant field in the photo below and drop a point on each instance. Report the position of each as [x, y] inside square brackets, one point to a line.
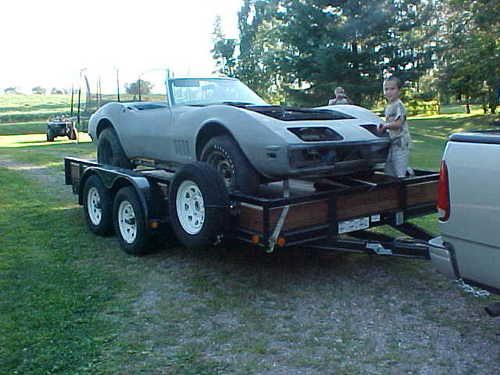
[24, 108]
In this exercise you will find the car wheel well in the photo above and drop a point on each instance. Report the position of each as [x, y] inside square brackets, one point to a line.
[209, 131]
[103, 124]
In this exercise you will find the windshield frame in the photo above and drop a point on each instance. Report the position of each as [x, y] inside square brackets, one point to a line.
[173, 102]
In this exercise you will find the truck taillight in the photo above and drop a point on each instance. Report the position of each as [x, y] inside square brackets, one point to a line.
[443, 204]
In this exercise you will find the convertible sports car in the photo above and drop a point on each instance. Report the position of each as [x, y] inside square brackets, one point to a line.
[223, 122]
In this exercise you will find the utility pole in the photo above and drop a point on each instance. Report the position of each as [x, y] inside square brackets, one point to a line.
[117, 85]
[139, 86]
[72, 99]
[79, 105]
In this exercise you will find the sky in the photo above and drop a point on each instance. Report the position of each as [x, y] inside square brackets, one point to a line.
[47, 42]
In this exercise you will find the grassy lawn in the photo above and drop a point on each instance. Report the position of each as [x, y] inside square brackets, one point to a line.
[74, 303]
[50, 304]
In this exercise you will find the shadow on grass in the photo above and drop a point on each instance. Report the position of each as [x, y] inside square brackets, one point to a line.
[292, 263]
[55, 143]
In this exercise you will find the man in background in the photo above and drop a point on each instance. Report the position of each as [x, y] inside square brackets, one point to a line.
[340, 97]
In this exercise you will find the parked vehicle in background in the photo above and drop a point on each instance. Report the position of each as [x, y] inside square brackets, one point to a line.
[61, 126]
[469, 207]
[224, 123]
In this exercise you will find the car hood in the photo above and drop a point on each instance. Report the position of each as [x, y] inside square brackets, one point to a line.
[349, 121]
[298, 114]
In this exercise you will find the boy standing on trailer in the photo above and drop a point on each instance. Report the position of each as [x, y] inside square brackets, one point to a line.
[395, 122]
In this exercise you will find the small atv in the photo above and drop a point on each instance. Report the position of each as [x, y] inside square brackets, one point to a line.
[60, 126]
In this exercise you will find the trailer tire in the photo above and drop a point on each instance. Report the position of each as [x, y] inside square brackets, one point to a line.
[198, 201]
[110, 151]
[97, 206]
[130, 222]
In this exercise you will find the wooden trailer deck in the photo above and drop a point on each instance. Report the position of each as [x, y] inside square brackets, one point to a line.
[342, 205]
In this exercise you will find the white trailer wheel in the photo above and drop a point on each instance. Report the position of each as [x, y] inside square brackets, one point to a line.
[97, 206]
[190, 207]
[94, 206]
[127, 222]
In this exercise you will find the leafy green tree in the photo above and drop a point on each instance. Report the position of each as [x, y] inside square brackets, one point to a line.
[261, 49]
[304, 49]
[38, 90]
[469, 61]
[141, 85]
[57, 91]
[11, 90]
[223, 50]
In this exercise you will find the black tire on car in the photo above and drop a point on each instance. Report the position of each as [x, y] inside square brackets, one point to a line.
[130, 222]
[97, 206]
[223, 153]
[110, 151]
[198, 201]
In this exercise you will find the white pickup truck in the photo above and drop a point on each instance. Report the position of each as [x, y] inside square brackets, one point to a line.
[469, 210]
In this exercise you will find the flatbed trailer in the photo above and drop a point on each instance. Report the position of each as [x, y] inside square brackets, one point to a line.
[329, 215]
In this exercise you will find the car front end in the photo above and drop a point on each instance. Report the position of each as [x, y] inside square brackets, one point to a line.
[312, 143]
[338, 158]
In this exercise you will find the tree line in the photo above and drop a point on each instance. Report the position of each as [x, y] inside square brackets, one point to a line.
[297, 52]
[131, 88]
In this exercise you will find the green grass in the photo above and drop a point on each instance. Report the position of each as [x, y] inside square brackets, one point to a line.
[429, 134]
[74, 303]
[51, 302]
[27, 127]
[30, 108]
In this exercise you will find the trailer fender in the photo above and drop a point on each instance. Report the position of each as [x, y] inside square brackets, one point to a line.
[115, 180]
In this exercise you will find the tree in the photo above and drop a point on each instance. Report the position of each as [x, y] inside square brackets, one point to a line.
[261, 49]
[133, 88]
[38, 90]
[469, 65]
[11, 90]
[303, 49]
[223, 50]
[57, 91]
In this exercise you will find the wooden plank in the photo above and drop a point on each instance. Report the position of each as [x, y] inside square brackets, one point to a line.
[302, 215]
[366, 203]
[251, 218]
[424, 192]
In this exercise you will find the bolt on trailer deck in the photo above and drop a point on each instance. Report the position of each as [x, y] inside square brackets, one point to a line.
[333, 214]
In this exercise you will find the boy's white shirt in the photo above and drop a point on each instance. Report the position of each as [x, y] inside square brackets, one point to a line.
[394, 111]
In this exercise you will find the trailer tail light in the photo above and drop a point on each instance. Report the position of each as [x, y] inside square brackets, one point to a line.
[443, 204]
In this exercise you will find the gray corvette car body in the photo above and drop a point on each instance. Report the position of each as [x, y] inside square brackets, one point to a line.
[277, 142]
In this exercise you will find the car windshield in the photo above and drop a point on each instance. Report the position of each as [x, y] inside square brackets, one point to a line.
[205, 91]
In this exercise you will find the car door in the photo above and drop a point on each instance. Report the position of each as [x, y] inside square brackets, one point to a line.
[145, 129]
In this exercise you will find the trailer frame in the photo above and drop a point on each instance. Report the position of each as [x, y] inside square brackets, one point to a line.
[333, 215]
